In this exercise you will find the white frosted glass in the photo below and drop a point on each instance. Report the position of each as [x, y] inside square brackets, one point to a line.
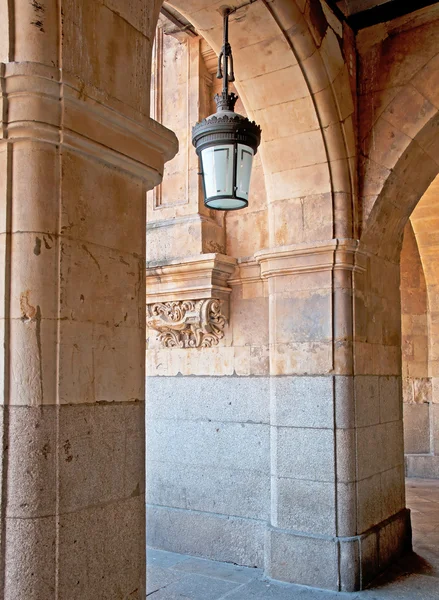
[218, 170]
[226, 203]
[244, 171]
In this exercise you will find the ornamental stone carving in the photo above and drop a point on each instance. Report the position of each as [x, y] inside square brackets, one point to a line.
[187, 323]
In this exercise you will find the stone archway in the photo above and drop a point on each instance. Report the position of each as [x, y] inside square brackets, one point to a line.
[421, 389]
[293, 78]
[399, 160]
[78, 153]
[416, 384]
[316, 342]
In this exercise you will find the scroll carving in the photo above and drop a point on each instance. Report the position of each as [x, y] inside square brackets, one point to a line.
[187, 323]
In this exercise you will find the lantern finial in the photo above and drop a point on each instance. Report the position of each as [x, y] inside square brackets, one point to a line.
[225, 101]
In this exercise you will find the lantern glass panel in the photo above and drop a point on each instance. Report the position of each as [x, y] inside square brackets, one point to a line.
[217, 163]
[244, 171]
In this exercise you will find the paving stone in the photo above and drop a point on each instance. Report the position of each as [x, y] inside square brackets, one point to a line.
[218, 570]
[160, 577]
[408, 587]
[195, 587]
[161, 558]
[270, 590]
[424, 561]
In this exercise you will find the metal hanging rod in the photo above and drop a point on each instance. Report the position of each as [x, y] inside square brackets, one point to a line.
[231, 10]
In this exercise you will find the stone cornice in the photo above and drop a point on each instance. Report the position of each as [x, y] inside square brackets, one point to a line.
[247, 271]
[191, 278]
[42, 103]
[336, 254]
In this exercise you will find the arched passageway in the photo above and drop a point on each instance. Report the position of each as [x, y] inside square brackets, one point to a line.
[419, 336]
[295, 338]
[285, 406]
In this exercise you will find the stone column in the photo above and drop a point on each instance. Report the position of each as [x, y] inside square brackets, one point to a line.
[337, 477]
[77, 155]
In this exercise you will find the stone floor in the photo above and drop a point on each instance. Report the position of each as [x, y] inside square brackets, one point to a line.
[415, 577]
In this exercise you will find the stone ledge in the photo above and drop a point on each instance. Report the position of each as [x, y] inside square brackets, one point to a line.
[193, 278]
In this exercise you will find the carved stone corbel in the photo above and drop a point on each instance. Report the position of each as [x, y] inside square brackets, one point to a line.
[188, 323]
[188, 300]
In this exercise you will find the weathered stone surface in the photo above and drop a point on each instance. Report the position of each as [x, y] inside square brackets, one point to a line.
[368, 506]
[30, 558]
[232, 445]
[316, 464]
[308, 560]
[31, 463]
[302, 401]
[390, 399]
[100, 454]
[394, 539]
[102, 551]
[422, 466]
[209, 488]
[410, 577]
[307, 506]
[77, 155]
[226, 399]
[227, 539]
[417, 428]
[367, 400]
[344, 402]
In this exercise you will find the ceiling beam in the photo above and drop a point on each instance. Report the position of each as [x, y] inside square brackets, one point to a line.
[379, 14]
[184, 27]
[386, 12]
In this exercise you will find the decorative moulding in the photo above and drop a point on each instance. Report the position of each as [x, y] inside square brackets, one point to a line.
[188, 299]
[247, 271]
[332, 255]
[187, 323]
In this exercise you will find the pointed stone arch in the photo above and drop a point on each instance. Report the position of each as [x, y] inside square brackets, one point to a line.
[294, 79]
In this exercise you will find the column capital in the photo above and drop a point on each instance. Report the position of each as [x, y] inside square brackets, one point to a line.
[46, 104]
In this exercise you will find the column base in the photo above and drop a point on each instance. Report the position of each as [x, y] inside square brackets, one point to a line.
[422, 465]
[346, 564]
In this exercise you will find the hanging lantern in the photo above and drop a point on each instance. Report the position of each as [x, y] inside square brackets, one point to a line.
[226, 143]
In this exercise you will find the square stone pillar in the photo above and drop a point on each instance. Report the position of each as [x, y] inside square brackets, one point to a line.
[77, 155]
[337, 463]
